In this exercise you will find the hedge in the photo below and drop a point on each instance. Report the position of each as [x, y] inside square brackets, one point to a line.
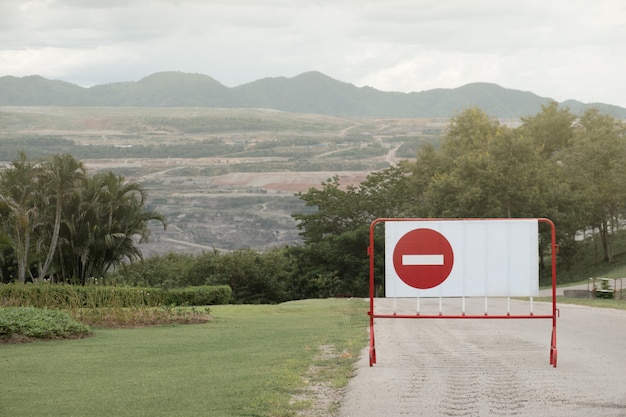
[94, 296]
[198, 296]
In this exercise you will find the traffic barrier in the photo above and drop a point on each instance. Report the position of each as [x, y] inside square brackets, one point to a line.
[461, 259]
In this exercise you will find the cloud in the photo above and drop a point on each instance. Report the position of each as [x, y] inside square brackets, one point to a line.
[561, 49]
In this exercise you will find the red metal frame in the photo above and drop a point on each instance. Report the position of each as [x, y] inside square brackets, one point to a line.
[373, 315]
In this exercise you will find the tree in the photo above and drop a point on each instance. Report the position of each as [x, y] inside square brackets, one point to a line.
[254, 277]
[551, 129]
[483, 170]
[340, 209]
[100, 225]
[336, 265]
[334, 259]
[81, 225]
[19, 196]
[60, 177]
[595, 166]
[552, 132]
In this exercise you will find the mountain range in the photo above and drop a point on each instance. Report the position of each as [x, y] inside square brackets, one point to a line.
[310, 92]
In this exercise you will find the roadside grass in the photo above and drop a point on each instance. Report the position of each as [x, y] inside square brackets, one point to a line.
[591, 302]
[249, 360]
[588, 261]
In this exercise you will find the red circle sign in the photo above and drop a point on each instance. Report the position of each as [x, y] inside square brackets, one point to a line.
[423, 258]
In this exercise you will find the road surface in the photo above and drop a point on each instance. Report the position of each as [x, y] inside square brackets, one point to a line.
[447, 367]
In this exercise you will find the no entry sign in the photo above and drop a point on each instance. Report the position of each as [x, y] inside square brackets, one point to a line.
[454, 258]
[461, 258]
[423, 258]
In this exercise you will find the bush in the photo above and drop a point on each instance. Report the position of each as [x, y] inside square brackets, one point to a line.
[254, 277]
[95, 296]
[39, 323]
[74, 296]
[198, 296]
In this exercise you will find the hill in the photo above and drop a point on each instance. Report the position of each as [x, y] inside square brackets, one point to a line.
[310, 92]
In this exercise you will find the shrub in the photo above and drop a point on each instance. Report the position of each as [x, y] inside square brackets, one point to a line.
[39, 323]
[254, 277]
[199, 296]
[74, 296]
[95, 296]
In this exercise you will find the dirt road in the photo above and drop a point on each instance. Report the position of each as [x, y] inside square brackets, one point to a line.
[493, 367]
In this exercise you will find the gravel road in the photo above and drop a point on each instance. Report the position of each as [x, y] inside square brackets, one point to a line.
[447, 367]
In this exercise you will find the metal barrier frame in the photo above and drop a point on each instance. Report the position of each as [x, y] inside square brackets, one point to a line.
[373, 315]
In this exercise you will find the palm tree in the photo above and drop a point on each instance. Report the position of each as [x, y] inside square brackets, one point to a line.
[82, 225]
[127, 219]
[101, 225]
[60, 176]
[19, 195]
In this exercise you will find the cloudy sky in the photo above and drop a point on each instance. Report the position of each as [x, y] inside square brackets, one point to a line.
[555, 48]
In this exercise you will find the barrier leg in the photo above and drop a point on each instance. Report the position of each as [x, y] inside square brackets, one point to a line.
[553, 351]
[372, 350]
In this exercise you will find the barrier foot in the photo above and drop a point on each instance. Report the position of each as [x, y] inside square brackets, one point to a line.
[553, 355]
[372, 356]
[553, 351]
[372, 344]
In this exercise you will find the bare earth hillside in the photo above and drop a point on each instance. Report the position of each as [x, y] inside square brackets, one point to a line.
[224, 178]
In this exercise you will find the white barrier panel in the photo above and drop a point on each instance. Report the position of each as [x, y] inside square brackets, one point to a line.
[461, 258]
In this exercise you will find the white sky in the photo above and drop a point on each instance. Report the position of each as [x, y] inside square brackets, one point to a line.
[560, 49]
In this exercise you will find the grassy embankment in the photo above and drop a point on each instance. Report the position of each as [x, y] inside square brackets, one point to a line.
[588, 263]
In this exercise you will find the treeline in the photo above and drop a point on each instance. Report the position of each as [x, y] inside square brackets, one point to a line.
[556, 165]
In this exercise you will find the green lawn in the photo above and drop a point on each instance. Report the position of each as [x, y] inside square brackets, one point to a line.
[248, 361]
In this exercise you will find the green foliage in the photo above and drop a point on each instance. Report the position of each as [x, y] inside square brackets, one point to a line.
[484, 170]
[595, 168]
[548, 167]
[66, 226]
[584, 259]
[39, 323]
[62, 296]
[165, 271]
[334, 259]
[554, 165]
[550, 129]
[198, 296]
[340, 209]
[254, 277]
[334, 266]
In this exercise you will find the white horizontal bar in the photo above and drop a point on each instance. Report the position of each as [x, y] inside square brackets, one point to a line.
[422, 259]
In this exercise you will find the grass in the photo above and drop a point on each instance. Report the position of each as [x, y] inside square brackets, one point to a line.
[593, 302]
[588, 261]
[250, 360]
[590, 302]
